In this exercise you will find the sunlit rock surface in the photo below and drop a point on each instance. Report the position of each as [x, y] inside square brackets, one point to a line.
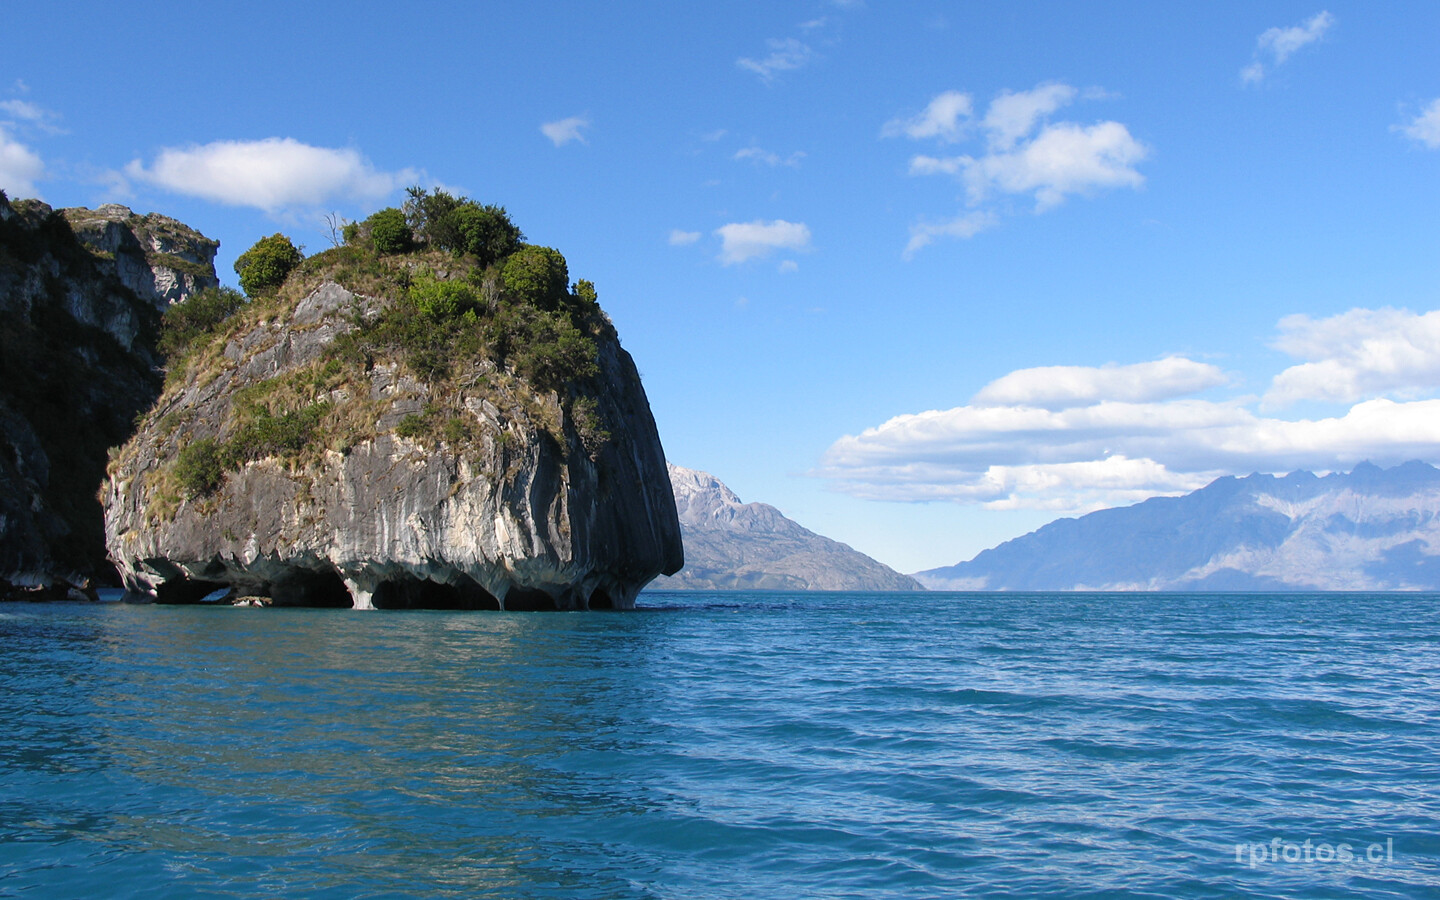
[526, 516]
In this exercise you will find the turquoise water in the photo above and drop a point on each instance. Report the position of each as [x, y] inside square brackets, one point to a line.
[727, 745]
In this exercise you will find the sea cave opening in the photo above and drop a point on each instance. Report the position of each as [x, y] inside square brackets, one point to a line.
[409, 592]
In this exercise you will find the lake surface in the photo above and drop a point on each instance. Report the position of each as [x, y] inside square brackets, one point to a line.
[745, 745]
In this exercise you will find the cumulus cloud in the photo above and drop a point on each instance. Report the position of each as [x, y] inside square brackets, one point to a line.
[1167, 448]
[564, 131]
[1063, 159]
[742, 241]
[1012, 115]
[1061, 387]
[946, 117]
[20, 167]
[1360, 353]
[1024, 154]
[1425, 127]
[785, 55]
[679, 238]
[271, 174]
[1276, 45]
[1074, 438]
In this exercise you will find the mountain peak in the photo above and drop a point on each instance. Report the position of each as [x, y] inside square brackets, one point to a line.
[730, 544]
[1370, 529]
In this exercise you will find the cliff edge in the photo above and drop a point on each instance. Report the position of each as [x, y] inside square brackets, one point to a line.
[81, 296]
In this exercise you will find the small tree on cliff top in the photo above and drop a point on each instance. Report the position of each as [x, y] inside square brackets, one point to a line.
[537, 275]
[264, 267]
[461, 225]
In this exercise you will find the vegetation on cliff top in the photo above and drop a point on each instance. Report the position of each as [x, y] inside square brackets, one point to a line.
[473, 312]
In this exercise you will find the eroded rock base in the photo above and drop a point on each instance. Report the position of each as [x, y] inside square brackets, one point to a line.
[326, 586]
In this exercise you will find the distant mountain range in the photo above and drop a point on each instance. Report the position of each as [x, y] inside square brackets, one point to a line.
[1371, 529]
[730, 545]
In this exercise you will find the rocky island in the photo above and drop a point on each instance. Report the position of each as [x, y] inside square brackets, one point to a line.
[429, 415]
[81, 299]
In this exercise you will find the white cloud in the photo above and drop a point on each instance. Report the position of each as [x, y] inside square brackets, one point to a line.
[1012, 116]
[765, 157]
[20, 168]
[271, 174]
[964, 226]
[946, 117]
[1061, 387]
[1278, 44]
[935, 165]
[1425, 127]
[1062, 159]
[29, 116]
[1282, 42]
[680, 238]
[742, 241]
[1024, 154]
[789, 265]
[1076, 438]
[23, 110]
[785, 55]
[952, 454]
[1360, 353]
[564, 131]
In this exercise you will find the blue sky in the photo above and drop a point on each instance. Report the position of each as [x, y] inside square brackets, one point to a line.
[925, 275]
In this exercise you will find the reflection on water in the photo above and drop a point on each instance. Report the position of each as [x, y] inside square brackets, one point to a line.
[291, 742]
[754, 745]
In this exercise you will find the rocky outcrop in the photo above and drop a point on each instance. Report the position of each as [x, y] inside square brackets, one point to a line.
[730, 545]
[1371, 529]
[80, 298]
[158, 258]
[476, 490]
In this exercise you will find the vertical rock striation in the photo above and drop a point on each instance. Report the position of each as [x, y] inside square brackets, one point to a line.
[476, 490]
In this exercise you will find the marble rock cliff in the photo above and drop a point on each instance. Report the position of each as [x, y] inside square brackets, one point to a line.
[81, 293]
[360, 477]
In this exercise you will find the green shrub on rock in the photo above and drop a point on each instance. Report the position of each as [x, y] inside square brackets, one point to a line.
[196, 316]
[264, 267]
[461, 225]
[200, 467]
[444, 300]
[389, 231]
[537, 275]
[485, 231]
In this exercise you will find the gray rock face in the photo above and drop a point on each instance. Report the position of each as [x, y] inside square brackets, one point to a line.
[1368, 530]
[158, 258]
[79, 309]
[522, 517]
[730, 545]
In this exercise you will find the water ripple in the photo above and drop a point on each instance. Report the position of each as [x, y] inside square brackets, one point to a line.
[727, 745]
